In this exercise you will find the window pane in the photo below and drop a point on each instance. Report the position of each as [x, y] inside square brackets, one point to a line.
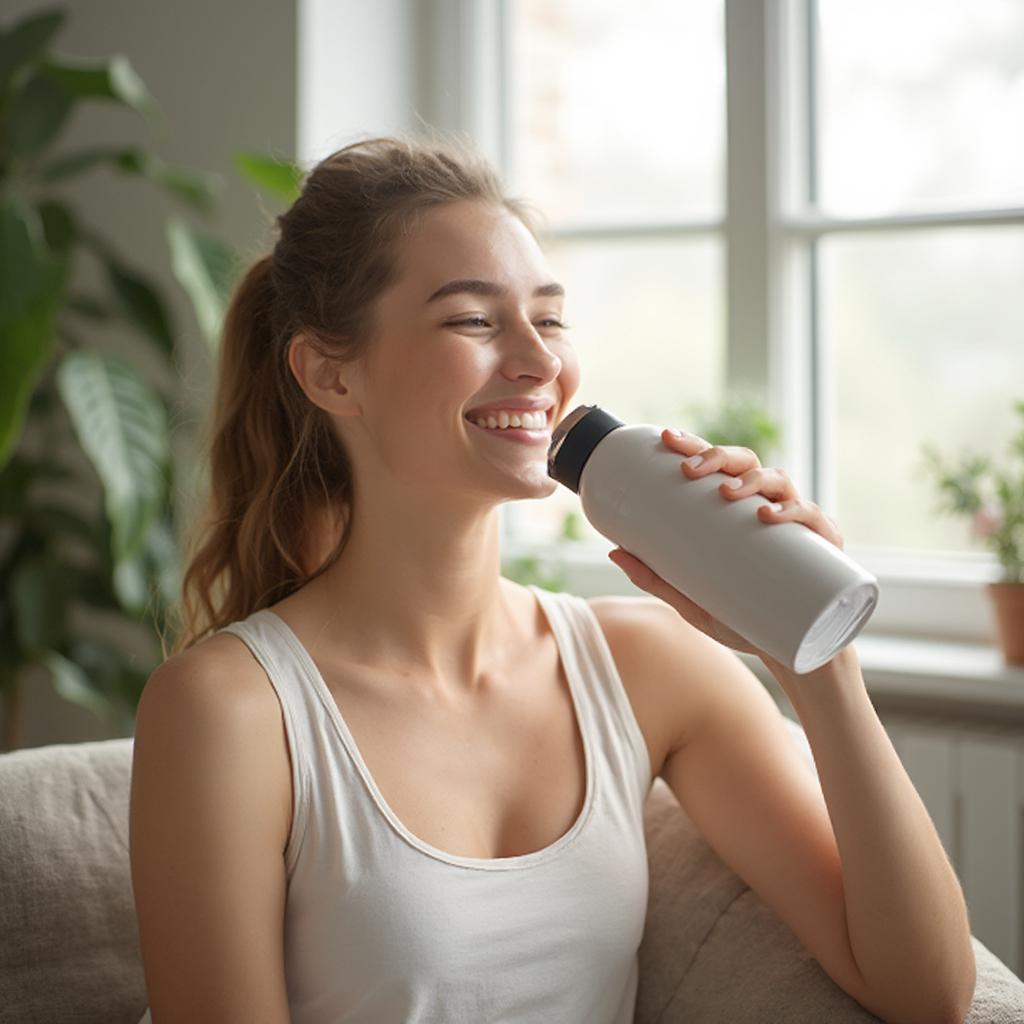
[926, 328]
[646, 322]
[617, 110]
[922, 104]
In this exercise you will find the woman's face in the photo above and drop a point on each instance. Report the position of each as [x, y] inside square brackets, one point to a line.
[441, 349]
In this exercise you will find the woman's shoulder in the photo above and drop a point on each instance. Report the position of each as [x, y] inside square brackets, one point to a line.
[653, 649]
[217, 671]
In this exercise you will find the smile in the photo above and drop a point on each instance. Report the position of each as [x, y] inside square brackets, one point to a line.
[522, 435]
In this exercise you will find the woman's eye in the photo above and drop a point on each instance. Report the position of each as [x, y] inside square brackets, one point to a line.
[473, 321]
[479, 321]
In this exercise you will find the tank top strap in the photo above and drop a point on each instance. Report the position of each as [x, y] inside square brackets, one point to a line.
[609, 710]
[300, 711]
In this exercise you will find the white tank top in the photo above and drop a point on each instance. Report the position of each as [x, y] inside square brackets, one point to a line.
[383, 928]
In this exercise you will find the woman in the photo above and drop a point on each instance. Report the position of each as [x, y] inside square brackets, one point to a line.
[377, 781]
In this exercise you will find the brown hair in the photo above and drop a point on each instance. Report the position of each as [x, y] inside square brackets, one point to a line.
[280, 492]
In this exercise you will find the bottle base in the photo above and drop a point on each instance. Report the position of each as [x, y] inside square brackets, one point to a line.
[836, 626]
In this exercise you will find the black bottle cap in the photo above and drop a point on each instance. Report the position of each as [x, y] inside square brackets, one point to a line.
[572, 441]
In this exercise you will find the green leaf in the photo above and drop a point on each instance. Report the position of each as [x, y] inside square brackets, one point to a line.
[74, 684]
[22, 241]
[136, 297]
[740, 420]
[59, 225]
[111, 79]
[279, 178]
[206, 269]
[113, 675]
[15, 479]
[39, 594]
[572, 526]
[122, 427]
[31, 291]
[130, 583]
[25, 42]
[198, 189]
[88, 307]
[164, 556]
[36, 113]
[141, 303]
[148, 582]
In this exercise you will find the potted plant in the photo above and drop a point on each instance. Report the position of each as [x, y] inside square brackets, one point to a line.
[992, 498]
[58, 556]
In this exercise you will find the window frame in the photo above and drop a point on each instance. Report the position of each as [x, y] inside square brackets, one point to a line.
[771, 229]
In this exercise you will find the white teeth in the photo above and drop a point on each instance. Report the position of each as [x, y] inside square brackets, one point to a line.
[502, 420]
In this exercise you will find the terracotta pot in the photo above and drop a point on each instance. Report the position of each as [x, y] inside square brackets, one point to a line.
[1008, 600]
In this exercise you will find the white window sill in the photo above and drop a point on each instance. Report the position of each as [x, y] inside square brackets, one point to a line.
[950, 678]
[956, 671]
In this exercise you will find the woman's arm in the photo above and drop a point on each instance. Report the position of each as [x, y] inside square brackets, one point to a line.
[905, 910]
[879, 903]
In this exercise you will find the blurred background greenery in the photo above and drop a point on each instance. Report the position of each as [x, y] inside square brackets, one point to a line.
[124, 557]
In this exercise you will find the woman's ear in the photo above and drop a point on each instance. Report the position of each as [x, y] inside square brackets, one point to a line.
[326, 382]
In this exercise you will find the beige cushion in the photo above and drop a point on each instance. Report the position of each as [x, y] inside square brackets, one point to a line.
[69, 942]
[713, 952]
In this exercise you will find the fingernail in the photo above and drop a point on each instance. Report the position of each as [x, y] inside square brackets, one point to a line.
[694, 460]
[734, 482]
[775, 506]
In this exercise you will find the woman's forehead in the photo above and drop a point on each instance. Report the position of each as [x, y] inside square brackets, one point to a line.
[472, 241]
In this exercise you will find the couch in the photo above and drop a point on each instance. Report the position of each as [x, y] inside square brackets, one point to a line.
[712, 952]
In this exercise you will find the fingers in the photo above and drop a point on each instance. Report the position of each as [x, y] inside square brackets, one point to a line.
[771, 482]
[744, 466]
[798, 510]
[732, 459]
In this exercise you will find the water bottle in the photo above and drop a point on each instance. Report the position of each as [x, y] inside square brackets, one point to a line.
[783, 587]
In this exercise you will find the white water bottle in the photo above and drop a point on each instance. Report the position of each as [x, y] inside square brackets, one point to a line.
[781, 586]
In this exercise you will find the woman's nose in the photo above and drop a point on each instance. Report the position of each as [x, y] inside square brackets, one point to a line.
[528, 345]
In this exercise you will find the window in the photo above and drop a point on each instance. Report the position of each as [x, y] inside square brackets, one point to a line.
[816, 200]
[617, 134]
[920, 107]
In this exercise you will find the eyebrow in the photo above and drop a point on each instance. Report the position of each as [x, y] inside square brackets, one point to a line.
[477, 287]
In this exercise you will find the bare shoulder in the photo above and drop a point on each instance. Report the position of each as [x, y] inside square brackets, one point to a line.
[209, 816]
[664, 663]
[217, 689]
[220, 669]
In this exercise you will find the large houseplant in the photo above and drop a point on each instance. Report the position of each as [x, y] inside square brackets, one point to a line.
[55, 555]
[992, 498]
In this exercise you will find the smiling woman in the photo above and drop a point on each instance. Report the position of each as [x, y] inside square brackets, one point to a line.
[388, 781]
[379, 782]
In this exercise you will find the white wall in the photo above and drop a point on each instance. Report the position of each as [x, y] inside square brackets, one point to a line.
[371, 68]
[358, 71]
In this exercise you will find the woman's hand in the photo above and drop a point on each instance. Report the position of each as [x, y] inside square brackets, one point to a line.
[744, 466]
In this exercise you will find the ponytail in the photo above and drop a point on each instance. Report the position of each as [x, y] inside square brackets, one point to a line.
[277, 476]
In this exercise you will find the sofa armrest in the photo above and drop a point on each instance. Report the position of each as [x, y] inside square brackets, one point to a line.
[712, 951]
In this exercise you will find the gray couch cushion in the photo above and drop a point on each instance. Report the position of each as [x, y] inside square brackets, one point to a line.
[68, 936]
